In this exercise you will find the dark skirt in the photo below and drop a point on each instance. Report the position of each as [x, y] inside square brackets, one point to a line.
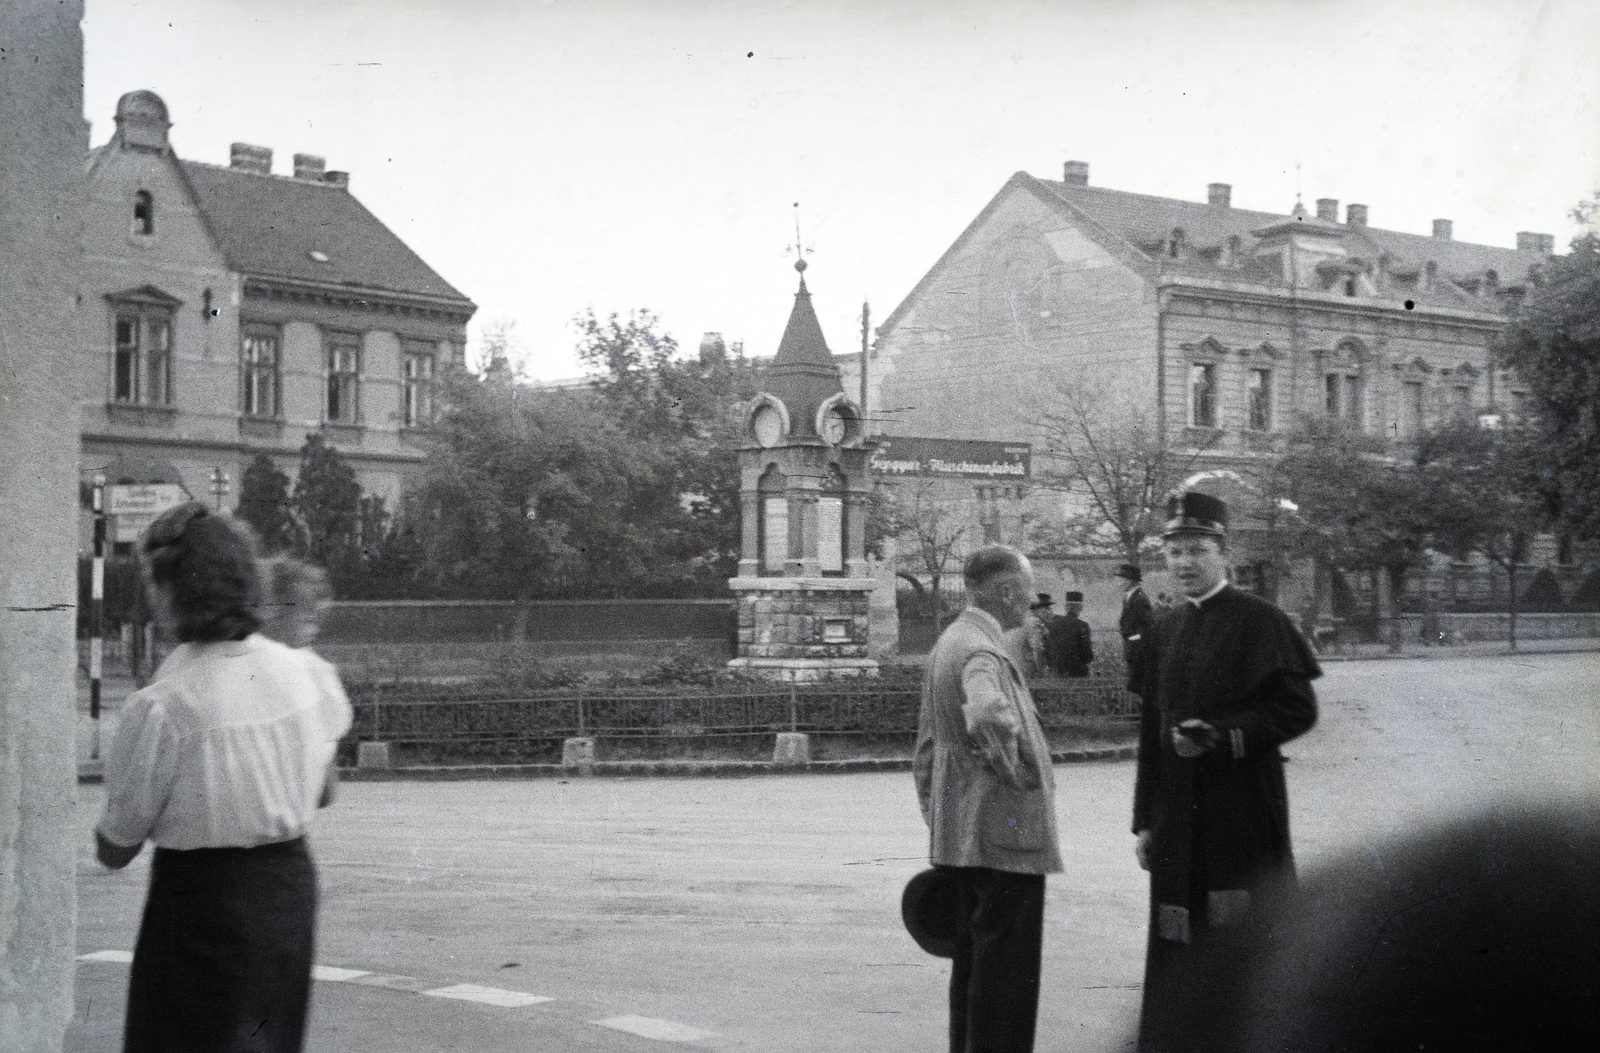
[223, 961]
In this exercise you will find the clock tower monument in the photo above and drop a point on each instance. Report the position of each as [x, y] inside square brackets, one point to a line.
[803, 583]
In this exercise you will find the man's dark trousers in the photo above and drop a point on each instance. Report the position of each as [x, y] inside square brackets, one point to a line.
[994, 985]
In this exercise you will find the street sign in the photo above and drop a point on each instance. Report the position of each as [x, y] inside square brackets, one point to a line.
[952, 458]
[136, 506]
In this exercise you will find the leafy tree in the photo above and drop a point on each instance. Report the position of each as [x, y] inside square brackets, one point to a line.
[1553, 343]
[1107, 457]
[264, 504]
[1492, 494]
[327, 501]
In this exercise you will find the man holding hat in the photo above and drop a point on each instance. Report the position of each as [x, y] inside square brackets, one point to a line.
[1134, 622]
[1227, 681]
[987, 792]
[1067, 644]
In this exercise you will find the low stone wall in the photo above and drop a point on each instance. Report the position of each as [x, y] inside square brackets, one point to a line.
[1473, 628]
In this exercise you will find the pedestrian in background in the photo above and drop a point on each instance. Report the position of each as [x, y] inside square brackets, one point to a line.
[1067, 644]
[1134, 622]
[1227, 682]
[987, 792]
[220, 762]
[1040, 614]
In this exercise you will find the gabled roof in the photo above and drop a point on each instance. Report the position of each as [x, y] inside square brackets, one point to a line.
[1145, 219]
[271, 226]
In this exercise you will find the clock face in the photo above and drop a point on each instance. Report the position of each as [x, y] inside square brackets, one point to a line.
[835, 426]
[767, 425]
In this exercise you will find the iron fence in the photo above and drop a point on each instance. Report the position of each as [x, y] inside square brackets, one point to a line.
[531, 725]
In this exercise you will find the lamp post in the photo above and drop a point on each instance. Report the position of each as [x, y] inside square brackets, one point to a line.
[219, 485]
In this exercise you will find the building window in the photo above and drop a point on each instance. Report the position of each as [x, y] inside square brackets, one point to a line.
[1412, 417]
[144, 213]
[417, 390]
[344, 378]
[142, 372]
[259, 349]
[1343, 399]
[1261, 400]
[1463, 399]
[1203, 395]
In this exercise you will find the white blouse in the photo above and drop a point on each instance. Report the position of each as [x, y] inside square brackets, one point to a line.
[228, 747]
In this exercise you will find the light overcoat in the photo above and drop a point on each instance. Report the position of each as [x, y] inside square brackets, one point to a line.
[982, 809]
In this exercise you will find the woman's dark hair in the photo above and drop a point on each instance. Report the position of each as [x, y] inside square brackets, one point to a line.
[209, 571]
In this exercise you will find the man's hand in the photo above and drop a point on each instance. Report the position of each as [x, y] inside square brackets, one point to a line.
[1193, 738]
[114, 855]
[1141, 849]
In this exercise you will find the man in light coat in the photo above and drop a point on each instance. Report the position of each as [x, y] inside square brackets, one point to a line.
[988, 796]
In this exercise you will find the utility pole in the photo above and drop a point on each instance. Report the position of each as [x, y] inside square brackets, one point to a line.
[866, 332]
[97, 611]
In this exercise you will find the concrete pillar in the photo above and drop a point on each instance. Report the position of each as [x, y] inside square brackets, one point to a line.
[792, 749]
[373, 755]
[42, 199]
[578, 754]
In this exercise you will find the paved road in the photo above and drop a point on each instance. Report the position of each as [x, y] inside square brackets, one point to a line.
[761, 913]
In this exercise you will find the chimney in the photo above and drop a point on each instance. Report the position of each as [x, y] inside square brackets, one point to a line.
[248, 158]
[712, 343]
[1541, 243]
[308, 166]
[1328, 209]
[1075, 173]
[334, 177]
[1219, 193]
[1355, 216]
[1442, 229]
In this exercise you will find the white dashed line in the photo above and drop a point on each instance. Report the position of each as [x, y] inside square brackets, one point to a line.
[650, 1027]
[393, 983]
[488, 995]
[124, 957]
[334, 974]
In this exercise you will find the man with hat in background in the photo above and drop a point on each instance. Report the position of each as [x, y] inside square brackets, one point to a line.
[1134, 622]
[1067, 645]
[987, 793]
[1226, 681]
[1037, 632]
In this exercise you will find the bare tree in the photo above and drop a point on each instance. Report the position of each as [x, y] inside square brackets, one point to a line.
[912, 510]
[1105, 452]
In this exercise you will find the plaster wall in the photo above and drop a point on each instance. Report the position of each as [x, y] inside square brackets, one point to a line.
[43, 138]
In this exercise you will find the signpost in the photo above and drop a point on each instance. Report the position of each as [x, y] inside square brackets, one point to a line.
[136, 507]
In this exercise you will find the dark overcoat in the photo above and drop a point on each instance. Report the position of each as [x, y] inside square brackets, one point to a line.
[1134, 625]
[1219, 823]
[1067, 646]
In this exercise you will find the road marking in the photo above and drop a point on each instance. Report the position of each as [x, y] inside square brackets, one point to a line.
[650, 1027]
[125, 957]
[334, 974]
[393, 983]
[488, 995]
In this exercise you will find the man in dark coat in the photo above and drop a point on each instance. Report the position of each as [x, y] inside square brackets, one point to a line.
[1067, 645]
[1134, 623]
[1227, 682]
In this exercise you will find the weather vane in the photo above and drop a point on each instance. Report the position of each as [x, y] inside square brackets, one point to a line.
[800, 249]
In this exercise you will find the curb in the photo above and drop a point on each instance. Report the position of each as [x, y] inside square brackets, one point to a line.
[662, 768]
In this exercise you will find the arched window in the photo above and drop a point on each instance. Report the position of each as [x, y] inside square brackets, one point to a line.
[774, 524]
[144, 213]
[831, 527]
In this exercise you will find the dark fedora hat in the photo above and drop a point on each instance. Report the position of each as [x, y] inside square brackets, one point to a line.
[1044, 600]
[1196, 513]
[1074, 597]
[1130, 571]
[928, 907]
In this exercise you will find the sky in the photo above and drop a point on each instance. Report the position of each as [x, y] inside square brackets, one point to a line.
[548, 157]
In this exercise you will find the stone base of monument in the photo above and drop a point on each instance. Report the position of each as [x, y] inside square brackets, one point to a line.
[803, 670]
[792, 749]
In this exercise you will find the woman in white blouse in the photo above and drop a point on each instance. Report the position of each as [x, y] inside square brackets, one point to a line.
[221, 763]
